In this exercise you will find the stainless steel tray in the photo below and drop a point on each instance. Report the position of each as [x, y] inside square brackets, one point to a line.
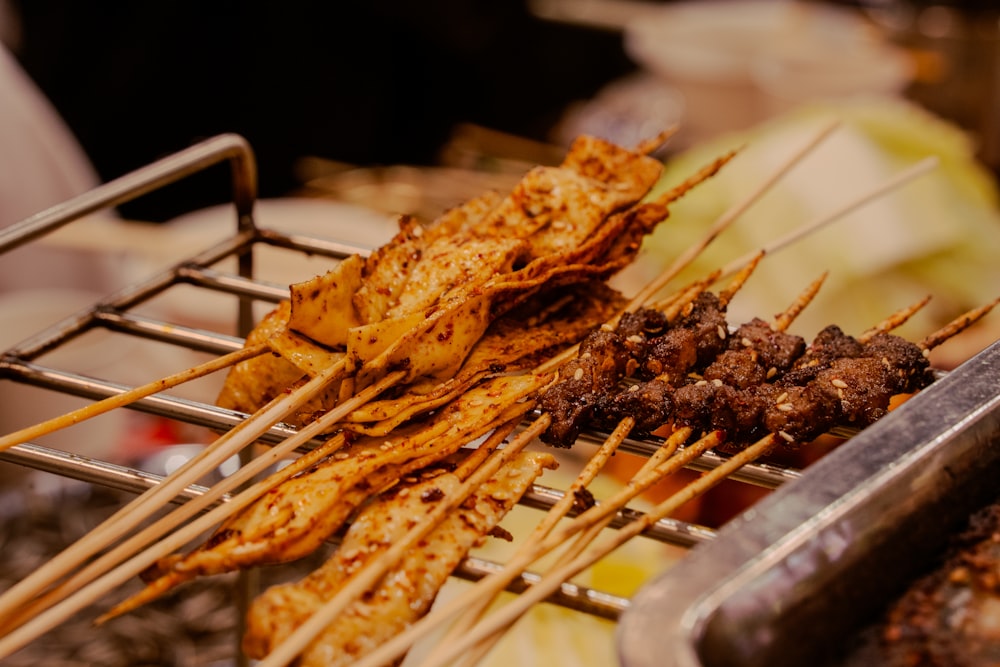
[795, 579]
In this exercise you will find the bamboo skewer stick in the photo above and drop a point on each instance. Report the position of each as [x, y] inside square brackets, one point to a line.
[894, 321]
[730, 216]
[956, 326]
[884, 188]
[144, 505]
[469, 620]
[551, 581]
[368, 576]
[37, 625]
[496, 582]
[785, 319]
[555, 514]
[125, 398]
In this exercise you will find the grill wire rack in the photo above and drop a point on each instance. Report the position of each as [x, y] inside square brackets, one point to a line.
[118, 313]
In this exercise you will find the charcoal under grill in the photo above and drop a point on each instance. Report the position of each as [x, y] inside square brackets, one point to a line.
[710, 608]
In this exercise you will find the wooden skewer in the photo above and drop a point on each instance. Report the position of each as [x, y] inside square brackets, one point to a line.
[555, 514]
[739, 279]
[37, 625]
[959, 324]
[474, 460]
[496, 582]
[903, 177]
[894, 321]
[468, 620]
[727, 219]
[125, 398]
[653, 144]
[152, 500]
[551, 581]
[373, 571]
[785, 319]
[721, 224]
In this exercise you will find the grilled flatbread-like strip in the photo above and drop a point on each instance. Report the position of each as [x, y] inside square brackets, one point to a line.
[408, 590]
[296, 516]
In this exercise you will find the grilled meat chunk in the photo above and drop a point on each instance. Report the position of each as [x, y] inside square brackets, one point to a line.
[650, 404]
[906, 361]
[600, 364]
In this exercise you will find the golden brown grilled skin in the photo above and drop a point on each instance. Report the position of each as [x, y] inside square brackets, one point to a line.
[408, 590]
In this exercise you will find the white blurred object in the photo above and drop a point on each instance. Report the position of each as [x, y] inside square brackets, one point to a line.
[738, 62]
[41, 165]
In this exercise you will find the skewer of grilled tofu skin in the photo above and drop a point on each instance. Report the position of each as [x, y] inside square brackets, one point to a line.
[407, 591]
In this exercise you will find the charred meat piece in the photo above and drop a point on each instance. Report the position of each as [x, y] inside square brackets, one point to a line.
[645, 322]
[861, 388]
[650, 404]
[831, 343]
[706, 317]
[797, 413]
[737, 368]
[600, 364]
[905, 360]
[774, 348]
[713, 405]
[690, 343]
[670, 356]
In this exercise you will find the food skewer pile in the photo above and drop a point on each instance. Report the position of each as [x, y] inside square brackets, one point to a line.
[448, 334]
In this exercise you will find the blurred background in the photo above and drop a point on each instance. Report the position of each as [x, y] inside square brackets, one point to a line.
[395, 83]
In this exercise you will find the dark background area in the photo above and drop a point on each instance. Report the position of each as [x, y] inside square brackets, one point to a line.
[367, 83]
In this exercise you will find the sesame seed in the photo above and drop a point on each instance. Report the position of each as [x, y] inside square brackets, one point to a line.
[771, 372]
[840, 394]
[586, 355]
[340, 456]
[837, 382]
[607, 327]
[578, 375]
[786, 436]
[781, 399]
[635, 338]
[717, 382]
[701, 383]
[786, 407]
[927, 353]
[722, 332]
[634, 387]
[746, 342]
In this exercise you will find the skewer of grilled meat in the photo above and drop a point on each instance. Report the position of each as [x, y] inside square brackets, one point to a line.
[645, 343]
[762, 380]
[767, 381]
